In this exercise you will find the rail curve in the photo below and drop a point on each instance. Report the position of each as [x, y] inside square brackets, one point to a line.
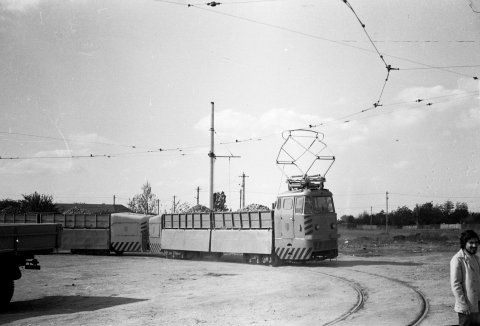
[422, 314]
[361, 298]
[362, 295]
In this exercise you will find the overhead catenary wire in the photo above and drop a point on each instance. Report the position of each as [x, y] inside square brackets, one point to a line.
[214, 3]
[342, 43]
[84, 141]
[387, 66]
[441, 67]
[419, 102]
[434, 196]
[181, 150]
[85, 156]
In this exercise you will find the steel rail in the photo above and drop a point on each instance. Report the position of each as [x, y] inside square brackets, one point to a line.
[361, 297]
[422, 314]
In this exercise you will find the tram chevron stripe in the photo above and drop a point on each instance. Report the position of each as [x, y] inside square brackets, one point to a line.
[309, 252]
[301, 254]
[308, 226]
[126, 246]
[295, 255]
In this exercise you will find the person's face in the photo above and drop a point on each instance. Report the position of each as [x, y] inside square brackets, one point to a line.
[471, 246]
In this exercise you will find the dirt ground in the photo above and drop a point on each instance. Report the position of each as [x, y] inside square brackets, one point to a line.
[151, 290]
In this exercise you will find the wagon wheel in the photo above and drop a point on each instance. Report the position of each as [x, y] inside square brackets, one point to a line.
[116, 251]
[217, 255]
[276, 261]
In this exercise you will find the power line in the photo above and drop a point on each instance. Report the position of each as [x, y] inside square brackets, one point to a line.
[64, 139]
[172, 2]
[214, 3]
[419, 101]
[88, 156]
[415, 41]
[123, 145]
[435, 196]
[342, 43]
[387, 66]
[440, 67]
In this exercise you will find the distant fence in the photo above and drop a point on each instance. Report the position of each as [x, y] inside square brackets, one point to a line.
[457, 226]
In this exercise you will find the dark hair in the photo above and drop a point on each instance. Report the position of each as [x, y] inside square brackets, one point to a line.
[467, 235]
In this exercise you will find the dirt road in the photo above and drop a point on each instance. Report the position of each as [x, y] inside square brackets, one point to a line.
[397, 289]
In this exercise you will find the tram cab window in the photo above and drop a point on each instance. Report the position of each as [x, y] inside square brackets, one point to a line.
[316, 205]
[299, 205]
[287, 203]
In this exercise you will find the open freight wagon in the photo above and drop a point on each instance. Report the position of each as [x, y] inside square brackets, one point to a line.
[196, 234]
[84, 233]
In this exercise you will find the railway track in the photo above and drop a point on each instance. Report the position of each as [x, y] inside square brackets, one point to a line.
[361, 298]
[424, 307]
[378, 300]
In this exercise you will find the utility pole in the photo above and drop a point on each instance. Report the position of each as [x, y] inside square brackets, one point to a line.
[371, 215]
[243, 176]
[198, 196]
[416, 214]
[386, 215]
[158, 206]
[240, 203]
[212, 155]
[114, 203]
[174, 204]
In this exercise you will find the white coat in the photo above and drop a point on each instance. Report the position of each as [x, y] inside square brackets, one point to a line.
[465, 281]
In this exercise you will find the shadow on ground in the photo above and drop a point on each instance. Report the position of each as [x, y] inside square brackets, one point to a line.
[352, 262]
[238, 259]
[54, 305]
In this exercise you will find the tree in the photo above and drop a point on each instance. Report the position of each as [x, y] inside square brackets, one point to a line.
[428, 214]
[473, 218]
[447, 208]
[379, 218]
[219, 199]
[10, 206]
[363, 218]
[347, 219]
[144, 203]
[402, 216]
[38, 203]
[460, 213]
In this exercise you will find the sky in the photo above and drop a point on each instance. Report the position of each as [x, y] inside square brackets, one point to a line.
[99, 97]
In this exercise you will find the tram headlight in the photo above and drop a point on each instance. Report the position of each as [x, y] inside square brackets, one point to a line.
[333, 226]
[317, 227]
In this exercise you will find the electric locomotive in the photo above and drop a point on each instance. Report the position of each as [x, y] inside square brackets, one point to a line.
[305, 221]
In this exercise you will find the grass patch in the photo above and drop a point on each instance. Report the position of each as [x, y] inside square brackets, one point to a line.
[379, 242]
